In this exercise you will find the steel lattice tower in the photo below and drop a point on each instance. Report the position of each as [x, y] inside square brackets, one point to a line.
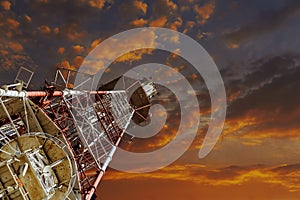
[57, 144]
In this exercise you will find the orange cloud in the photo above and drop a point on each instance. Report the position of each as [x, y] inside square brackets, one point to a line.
[234, 95]
[12, 24]
[71, 32]
[239, 125]
[168, 131]
[77, 61]
[162, 139]
[176, 24]
[28, 19]
[205, 12]
[190, 1]
[77, 49]
[201, 35]
[171, 4]
[74, 65]
[160, 22]
[108, 50]
[252, 142]
[134, 56]
[232, 45]
[258, 124]
[188, 26]
[56, 30]
[287, 176]
[66, 64]
[272, 133]
[141, 5]
[75, 35]
[95, 43]
[184, 8]
[3, 52]
[12, 60]
[97, 3]
[44, 29]
[15, 46]
[61, 50]
[6, 5]
[6, 65]
[139, 22]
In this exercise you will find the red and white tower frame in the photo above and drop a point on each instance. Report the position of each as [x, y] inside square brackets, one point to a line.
[83, 127]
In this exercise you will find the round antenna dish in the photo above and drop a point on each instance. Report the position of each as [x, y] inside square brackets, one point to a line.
[36, 166]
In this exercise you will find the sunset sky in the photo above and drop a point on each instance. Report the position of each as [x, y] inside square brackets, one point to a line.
[255, 45]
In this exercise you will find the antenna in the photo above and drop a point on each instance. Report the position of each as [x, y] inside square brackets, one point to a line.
[64, 137]
[24, 76]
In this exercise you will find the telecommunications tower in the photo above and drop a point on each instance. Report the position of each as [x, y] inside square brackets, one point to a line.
[57, 143]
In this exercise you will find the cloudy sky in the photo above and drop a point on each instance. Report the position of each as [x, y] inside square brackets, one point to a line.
[256, 48]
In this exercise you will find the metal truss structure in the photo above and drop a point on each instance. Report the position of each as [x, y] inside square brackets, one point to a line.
[83, 129]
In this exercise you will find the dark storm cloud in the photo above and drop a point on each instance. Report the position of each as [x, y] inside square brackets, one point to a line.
[270, 95]
[268, 68]
[271, 80]
[284, 169]
[267, 22]
[247, 77]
